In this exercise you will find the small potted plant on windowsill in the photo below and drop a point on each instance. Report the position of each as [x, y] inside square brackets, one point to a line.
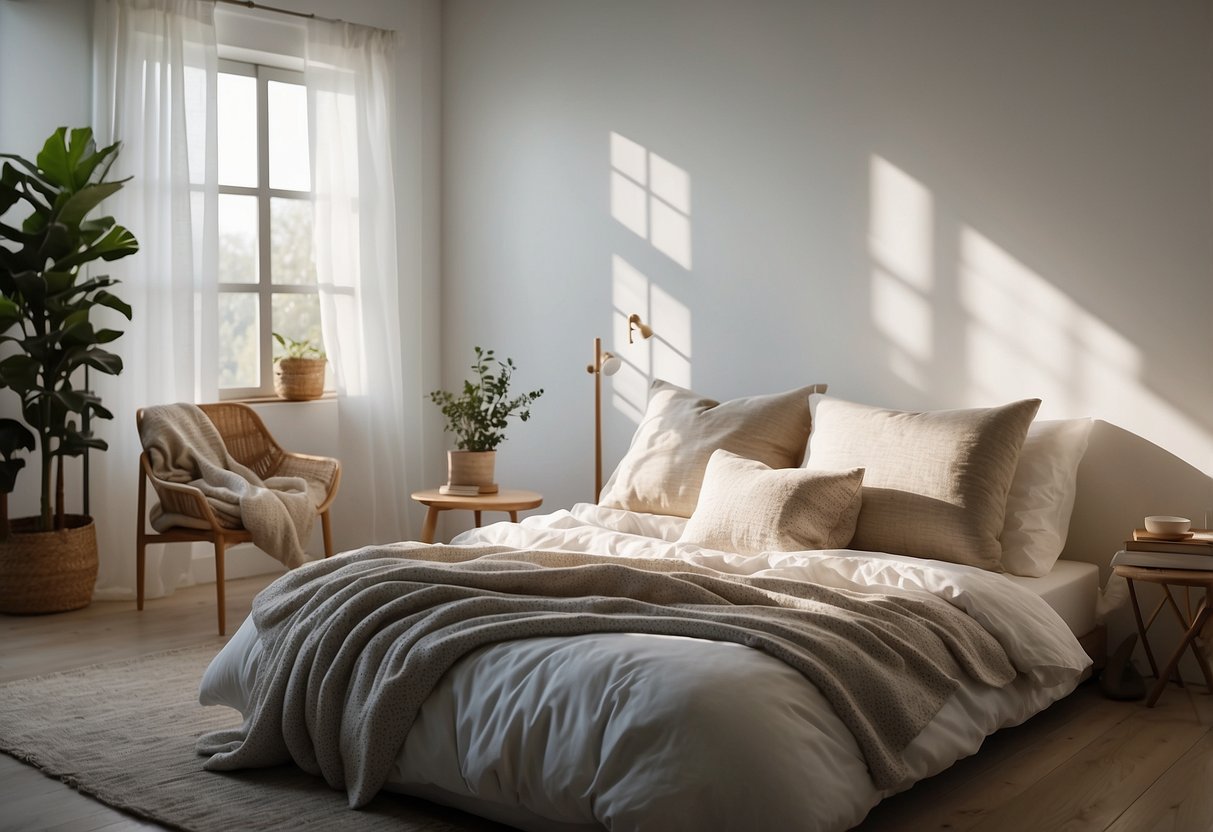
[299, 370]
[477, 416]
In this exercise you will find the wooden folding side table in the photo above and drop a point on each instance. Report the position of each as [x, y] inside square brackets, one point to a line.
[1191, 621]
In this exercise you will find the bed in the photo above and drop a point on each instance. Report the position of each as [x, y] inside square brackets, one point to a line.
[654, 730]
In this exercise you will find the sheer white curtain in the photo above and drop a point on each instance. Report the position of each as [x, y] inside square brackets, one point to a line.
[350, 73]
[154, 75]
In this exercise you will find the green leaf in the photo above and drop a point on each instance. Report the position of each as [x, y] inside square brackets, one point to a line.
[8, 474]
[104, 361]
[111, 302]
[75, 443]
[53, 160]
[104, 336]
[10, 314]
[19, 372]
[118, 242]
[14, 437]
[80, 148]
[78, 205]
[32, 287]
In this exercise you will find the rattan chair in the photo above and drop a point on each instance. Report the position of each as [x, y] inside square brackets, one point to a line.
[251, 444]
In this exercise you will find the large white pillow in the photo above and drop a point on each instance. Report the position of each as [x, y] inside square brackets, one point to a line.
[663, 468]
[936, 482]
[1041, 499]
[748, 508]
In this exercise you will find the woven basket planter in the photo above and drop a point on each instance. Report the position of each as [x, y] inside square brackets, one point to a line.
[299, 379]
[44, 572]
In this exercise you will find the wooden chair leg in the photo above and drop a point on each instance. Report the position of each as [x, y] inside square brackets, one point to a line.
[327, 527]
[220, 545]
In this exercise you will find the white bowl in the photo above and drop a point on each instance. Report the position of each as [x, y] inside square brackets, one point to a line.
[1166, 524]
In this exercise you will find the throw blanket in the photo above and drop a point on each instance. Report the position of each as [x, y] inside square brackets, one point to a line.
[184, 446]
[354, 645]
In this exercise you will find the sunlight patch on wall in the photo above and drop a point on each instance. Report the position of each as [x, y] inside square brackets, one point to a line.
[630, 386]
[629, 158]
[628, 204]
[1025, 337]
[651, 197]
[900, 241]
[671, 341]
[667, 355]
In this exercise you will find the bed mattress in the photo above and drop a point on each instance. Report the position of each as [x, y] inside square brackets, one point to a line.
[1071, 589]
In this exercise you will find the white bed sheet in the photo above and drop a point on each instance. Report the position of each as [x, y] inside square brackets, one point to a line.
[649, 732]
[1071, 589]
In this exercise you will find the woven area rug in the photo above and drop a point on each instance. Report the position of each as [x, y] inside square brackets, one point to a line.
[124, 733]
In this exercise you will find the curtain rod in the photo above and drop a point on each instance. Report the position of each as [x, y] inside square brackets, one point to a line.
[249, 4]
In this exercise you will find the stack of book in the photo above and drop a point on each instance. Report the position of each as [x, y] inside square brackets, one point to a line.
[1194, 550]
[464, 490]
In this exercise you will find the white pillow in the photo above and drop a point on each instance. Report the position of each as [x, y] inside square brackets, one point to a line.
[936, 482]
[1042, 496]
[663, 468]
[747, 507]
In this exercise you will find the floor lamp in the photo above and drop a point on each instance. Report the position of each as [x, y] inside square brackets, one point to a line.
[607, 364]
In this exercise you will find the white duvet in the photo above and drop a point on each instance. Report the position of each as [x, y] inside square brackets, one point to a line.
[654, 732]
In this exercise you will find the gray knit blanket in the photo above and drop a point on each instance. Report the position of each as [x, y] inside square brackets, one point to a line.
[184, 446]
[353, 646]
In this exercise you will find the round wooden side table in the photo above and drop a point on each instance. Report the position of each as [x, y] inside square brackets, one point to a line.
[508, 500]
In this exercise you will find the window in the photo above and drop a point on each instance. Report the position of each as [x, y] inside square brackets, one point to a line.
[266, 270]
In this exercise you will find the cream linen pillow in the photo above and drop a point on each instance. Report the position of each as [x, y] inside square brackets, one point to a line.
[747, 507]
[936, 483]
[663, 468]
[1041, 499]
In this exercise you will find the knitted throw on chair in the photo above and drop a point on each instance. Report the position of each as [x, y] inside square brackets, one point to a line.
[184, 447]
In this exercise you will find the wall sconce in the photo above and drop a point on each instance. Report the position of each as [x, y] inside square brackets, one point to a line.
[607, 364]
[634, 323]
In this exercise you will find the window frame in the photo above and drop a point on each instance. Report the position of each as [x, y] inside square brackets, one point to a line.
[264, 288]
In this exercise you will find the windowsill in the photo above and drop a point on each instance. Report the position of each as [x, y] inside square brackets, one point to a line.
[327, 397]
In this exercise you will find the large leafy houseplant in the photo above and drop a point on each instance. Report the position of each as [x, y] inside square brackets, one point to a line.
[478, 415]
[46, 301]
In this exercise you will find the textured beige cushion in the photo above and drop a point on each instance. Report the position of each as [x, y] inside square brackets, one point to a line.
[662, 470]
[936, 483]
[747, 507]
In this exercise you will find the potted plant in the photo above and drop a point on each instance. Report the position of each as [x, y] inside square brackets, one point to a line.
[477, 417]
[298, 370]
[48, 563]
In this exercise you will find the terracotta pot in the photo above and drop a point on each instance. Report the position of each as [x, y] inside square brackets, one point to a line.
[472, 468]
[43, 572]
[299, 379]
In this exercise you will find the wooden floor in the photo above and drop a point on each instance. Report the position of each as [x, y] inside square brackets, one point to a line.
[1085, 764]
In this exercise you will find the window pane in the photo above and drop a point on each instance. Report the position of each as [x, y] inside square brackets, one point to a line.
[237, 126]
[237, 239]
[291, 241]
[298, 317]
[239, 364]
[288, 137]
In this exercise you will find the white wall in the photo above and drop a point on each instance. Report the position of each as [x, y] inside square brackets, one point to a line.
[925, 205]
[38, 95]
